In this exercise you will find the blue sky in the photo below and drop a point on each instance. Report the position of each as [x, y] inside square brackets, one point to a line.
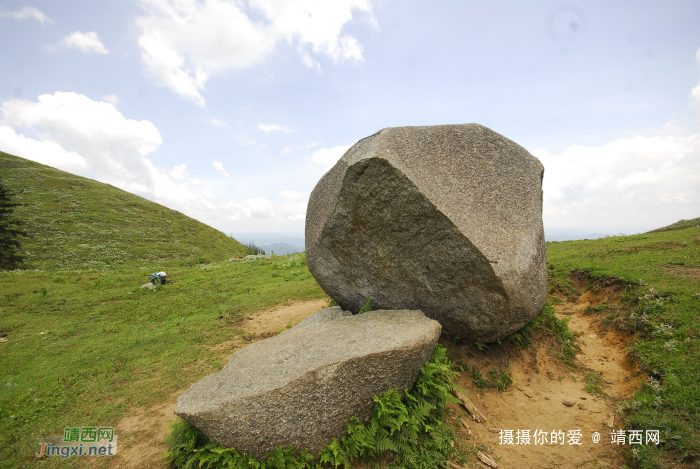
[231, 110]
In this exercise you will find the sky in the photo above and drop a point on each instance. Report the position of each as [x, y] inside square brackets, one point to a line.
[230, 111]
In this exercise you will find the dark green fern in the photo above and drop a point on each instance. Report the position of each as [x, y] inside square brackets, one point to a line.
[406, 425]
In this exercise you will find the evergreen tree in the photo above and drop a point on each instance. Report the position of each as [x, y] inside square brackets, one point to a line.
[10, 231]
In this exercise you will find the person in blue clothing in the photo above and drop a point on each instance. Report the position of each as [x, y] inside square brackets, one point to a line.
[158, 276]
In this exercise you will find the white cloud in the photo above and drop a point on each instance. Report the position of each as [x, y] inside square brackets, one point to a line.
[179, 173]
[219, 122]
[26, 12]
[87, 43]
[219, 166]
[184, 42]
[293, 211]
[112, 144]
[243, 138]
[646, 180]
[91, 138]
[111, 99]
[44, 152]
[328, 156]
[317, 24]
[288, 150]
[249, 208]
[695, 96]
[632, 181]
[273, 128]
[293, 194]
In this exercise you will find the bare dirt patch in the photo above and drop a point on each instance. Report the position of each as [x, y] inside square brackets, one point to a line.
[546, 395]
[142, 431]
[550, 397]
[282, 317]
[683, 271]
[141, 434]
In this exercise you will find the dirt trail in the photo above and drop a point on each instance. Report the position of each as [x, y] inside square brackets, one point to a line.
[142, 431]
[547, 396]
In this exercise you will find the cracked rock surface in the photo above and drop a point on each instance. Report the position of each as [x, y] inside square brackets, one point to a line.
[443, 219]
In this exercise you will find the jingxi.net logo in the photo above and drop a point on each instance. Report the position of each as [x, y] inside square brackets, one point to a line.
[82, 441]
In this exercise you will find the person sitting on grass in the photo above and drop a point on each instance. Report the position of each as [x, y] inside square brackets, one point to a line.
[158, 275]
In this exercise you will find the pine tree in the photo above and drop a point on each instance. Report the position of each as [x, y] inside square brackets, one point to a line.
[10, 231]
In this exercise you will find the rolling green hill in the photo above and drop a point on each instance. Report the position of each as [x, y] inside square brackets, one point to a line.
[679, 225]
[78, 223]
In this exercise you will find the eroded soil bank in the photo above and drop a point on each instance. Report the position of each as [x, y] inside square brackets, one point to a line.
[546, 395]
[550, 396]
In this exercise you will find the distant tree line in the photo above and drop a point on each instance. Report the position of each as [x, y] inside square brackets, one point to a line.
[255, 249]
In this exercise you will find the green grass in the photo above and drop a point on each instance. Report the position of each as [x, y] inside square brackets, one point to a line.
[78, 223]
[96, 344]
[679, 225]
[661, 308]
[594, 384]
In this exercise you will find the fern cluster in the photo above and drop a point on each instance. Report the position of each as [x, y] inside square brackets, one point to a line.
[407, 426]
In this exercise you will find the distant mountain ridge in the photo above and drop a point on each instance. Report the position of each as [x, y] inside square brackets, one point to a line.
[78, 223]
[281, 242]
[281, 248]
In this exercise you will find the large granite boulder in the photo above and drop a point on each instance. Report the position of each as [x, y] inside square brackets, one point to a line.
[301, 387]
[444, 219]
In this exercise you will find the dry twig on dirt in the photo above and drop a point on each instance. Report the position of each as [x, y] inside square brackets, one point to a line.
[476, 413]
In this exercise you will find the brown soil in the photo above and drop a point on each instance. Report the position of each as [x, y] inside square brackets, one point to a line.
[549, 396]
[141, 434]
[142, 431]
[683, 271]
[536, 400]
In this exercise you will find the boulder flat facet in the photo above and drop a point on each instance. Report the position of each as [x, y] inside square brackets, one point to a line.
[444, 219]
[302, 386]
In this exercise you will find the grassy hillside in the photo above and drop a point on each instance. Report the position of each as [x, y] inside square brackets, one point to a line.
[79, 223]
[660, 311]
[82, 348]
[680, 225]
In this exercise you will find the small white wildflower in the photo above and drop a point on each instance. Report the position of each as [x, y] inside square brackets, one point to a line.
[654, 384]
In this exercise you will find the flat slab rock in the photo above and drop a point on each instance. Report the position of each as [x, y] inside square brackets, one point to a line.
[444, 219]
[302, 386]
